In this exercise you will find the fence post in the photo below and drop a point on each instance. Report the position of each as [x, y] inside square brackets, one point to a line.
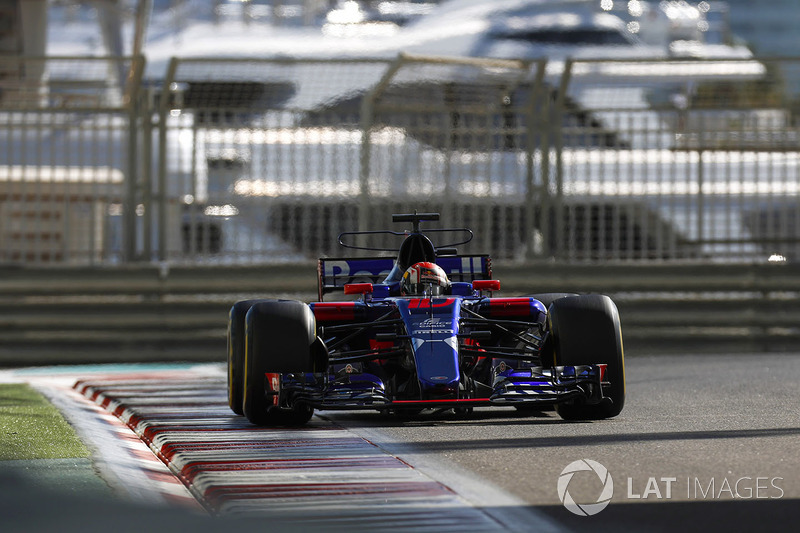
[150, 206]
[367, 111]
[129, 203]
[536, 212]
[557, 128]
[132, 183]
[161, 186]
[700, 199]
[367, 120]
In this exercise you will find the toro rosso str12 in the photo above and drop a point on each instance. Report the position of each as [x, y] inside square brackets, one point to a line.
[422, 330]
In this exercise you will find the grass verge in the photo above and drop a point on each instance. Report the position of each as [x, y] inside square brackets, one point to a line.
[31, 428]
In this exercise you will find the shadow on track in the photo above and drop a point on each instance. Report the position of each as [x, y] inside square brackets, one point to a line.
[376, 421]
[685, 516]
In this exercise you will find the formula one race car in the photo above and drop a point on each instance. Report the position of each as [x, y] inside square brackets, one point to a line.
[422, 331]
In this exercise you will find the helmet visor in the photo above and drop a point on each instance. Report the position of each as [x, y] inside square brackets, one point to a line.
[424, 289]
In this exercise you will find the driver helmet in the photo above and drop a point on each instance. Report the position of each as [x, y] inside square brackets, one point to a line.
[423, 279]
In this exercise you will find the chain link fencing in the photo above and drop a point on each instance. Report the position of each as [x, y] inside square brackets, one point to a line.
[69, 167]
[247, 161]
[704, 163]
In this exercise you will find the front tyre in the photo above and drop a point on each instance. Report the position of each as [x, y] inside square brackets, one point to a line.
[548, 298]
[585, 330]
[279, 339]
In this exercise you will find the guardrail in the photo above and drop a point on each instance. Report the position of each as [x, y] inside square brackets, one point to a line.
[160, 313]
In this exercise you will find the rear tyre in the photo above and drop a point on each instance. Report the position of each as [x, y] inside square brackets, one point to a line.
[586, 330]
[279, 339]
[236, 340]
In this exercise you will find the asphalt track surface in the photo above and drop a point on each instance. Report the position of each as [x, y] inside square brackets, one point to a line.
[708, 422]
[704, 443]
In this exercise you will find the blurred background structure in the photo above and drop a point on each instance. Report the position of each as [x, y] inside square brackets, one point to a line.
[231, 138]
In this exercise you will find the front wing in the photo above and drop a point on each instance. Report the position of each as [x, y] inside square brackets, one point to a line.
[532, 386]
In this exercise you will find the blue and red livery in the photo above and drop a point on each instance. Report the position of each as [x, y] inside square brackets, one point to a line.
[399, 353]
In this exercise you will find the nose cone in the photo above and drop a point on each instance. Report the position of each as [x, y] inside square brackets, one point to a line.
[432, 324]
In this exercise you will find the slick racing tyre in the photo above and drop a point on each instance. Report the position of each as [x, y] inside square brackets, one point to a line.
[586, 330]
[236, 318]
[549, 297]
[280, 338]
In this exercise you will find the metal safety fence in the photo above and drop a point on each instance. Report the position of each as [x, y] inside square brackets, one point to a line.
[70, 159]
[243, 161]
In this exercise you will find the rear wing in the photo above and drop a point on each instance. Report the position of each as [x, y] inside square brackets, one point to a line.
[335, 273]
